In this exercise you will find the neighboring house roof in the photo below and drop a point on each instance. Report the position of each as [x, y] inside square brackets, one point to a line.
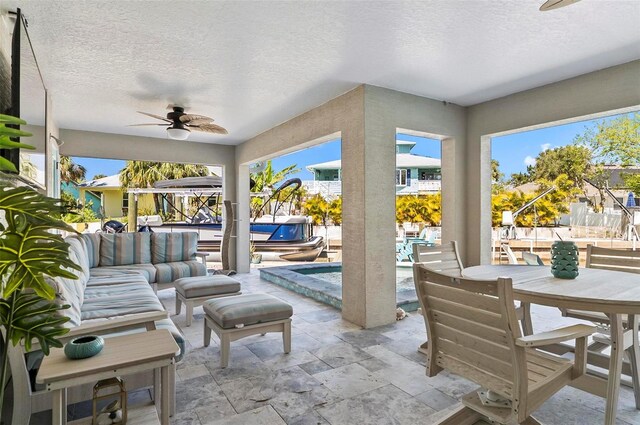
[409, 160]
[403, 160]
[109, 182]
[405, 143]
[330, 165]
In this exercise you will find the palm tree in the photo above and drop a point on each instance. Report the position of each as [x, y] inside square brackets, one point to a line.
[266, 181]
[145, 174]
[70, 171]
[99, 176]
[171, 171]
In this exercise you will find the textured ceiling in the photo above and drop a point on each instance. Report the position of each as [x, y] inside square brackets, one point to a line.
[253, 65]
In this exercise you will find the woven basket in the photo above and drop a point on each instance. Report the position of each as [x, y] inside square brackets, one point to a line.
[564, 260]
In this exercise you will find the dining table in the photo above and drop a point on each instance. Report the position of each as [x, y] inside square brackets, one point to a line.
[615, 293]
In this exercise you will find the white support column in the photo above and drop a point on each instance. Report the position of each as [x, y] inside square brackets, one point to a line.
[368, 262]
[243, 212]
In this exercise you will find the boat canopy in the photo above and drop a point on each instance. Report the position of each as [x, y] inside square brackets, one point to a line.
[201, 186]
[190, 182]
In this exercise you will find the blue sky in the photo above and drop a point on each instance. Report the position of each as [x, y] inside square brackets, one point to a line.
[514, 152]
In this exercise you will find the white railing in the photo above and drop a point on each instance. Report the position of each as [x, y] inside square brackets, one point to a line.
[325, 188]
[334, 188]
[426, 185]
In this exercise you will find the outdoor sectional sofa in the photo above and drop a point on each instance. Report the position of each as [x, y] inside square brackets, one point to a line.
[161, 257]
[111, 296]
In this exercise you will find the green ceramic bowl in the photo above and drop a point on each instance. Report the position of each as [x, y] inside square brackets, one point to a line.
[83, 347]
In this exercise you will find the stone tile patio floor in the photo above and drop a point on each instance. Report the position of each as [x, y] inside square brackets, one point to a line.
[339, 374]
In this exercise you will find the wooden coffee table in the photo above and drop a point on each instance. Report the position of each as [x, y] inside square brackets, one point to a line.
[122, 355]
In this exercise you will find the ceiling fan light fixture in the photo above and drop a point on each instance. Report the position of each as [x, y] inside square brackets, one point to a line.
[178, 133]
[556, 4]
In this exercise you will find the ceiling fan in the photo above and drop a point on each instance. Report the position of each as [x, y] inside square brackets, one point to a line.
[180, 123]
[556, 4]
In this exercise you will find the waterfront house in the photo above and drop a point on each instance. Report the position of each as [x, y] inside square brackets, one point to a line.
[415, 174]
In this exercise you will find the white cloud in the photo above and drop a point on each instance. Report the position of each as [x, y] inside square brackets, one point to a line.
[529, 160]
[545, 146]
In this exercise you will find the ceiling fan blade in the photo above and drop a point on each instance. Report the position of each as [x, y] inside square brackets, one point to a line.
[209, 128]
[556, 4]
[190, 118]
[154, 116]
[140, 125]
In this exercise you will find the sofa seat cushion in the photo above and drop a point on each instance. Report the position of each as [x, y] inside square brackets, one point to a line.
[168, 272]
[230, 312]
[125, 248]
[202, 286]
[172, 247]
[146, 270]
[108, 301]
[117, 277]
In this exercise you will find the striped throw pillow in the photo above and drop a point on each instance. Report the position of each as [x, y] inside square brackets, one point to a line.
[170, 247]
[122, 249]
[92, 241]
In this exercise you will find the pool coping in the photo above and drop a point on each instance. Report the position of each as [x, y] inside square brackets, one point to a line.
[322, 290]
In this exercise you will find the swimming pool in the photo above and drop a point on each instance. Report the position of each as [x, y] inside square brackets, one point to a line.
[323, 282]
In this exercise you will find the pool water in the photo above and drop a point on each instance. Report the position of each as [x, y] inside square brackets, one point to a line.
[323, 282]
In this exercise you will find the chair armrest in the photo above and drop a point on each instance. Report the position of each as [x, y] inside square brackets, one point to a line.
[202, 256]
[556, 335]
[117, 324]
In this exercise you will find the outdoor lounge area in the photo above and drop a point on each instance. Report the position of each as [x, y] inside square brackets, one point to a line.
[336, 373]
[164, 311]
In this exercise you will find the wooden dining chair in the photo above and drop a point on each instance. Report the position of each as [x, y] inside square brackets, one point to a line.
[532, 259]
[508, 252]
[446, 259]
[473, 332]
[622, 260]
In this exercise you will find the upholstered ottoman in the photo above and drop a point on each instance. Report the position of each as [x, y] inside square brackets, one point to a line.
[236, 317]
[193, 291]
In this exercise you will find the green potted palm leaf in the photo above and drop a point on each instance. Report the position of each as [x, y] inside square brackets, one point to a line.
[29, 252]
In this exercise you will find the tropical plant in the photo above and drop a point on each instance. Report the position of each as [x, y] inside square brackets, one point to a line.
[267, 179]
[632, 182]
[82, 215]
[335, 211]
[99, 176]
[415, 209]
[265, 183]
[317, 208]
[547, 210]
[29, 252]
[70, 171]
[6, 133]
